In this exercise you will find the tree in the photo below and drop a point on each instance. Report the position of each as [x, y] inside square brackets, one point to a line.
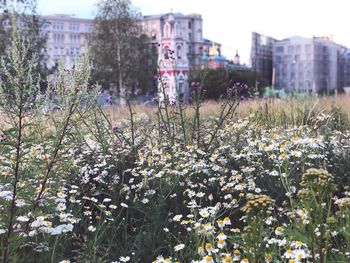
[215, 82]
[120, 51]
[23, 13]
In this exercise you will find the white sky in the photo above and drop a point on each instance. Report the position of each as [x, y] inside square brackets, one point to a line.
[230, 22]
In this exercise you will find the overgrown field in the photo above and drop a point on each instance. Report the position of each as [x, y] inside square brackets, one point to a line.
[202, 183]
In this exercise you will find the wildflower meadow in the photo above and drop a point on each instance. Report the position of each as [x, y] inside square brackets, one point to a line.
[169, 185]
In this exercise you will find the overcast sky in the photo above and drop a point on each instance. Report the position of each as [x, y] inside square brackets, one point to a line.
[231, 22]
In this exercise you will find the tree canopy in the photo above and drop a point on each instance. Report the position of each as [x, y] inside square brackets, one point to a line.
[120, 51]
[215, 82]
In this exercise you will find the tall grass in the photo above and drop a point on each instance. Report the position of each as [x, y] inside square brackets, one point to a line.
[290, 111]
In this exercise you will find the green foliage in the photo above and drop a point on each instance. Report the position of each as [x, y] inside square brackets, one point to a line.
[120, 51]
[21, 15]
[32, 149]
[215, 82]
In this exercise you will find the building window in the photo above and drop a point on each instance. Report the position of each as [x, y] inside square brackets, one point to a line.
[200, 50]
[290, 49]
[177, 30]
[58, 38]
[74, 27]
[189, 49]
[88, 28]
[167, 30]
[178, 52]
[72, 51]
[279, 49]
[166, 52]
[45, 25]
[58, 26]
[308, 48]
[74, 39]
[189, 24]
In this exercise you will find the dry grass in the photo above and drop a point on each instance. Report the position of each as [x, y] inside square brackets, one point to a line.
[212, 108]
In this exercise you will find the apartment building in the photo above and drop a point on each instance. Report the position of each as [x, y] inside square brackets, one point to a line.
[67, 38]
[317, 64]
[306, 64]
[261, 55]
[344, 67]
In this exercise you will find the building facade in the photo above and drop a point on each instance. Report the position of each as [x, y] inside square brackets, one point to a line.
[181, 45]
[317, 64]
[188, 27]
[306, 64]
[261, 55]
[67, 38]
[343, 67]
[172, 61]
[177, 38]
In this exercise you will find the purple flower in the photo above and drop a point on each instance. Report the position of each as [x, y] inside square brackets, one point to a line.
[118, 142]
[3, 137]
[115, 128]
[155, 100]
[172, 102]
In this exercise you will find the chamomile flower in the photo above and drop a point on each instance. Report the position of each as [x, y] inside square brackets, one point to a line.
[227, 221]
[179, 247]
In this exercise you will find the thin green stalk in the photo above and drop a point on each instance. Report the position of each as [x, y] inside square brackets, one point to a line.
[7, 239]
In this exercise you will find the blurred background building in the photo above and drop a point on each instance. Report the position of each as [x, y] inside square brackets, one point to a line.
[306, 64]
[261, 55]
[299, 64]
[188, 28]
[67, 38]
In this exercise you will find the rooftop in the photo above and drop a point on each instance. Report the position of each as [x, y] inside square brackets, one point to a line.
[65, 17]
[177, 15]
